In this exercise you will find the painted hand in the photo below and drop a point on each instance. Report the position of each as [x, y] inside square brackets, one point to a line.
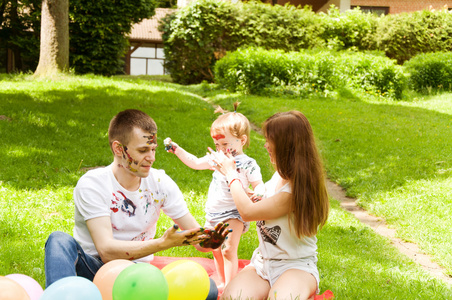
[217, 236]
[170, 146]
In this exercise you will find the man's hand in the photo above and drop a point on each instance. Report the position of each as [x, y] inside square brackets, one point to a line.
[217, 236]
[185, 237]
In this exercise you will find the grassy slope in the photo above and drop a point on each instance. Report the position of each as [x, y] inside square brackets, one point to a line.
[59, 128]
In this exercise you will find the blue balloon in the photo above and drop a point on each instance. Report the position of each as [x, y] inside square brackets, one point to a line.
[72, 288]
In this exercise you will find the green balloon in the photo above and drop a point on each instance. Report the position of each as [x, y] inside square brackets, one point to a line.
[140, 281]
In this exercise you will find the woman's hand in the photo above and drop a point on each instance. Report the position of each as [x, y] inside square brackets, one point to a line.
[224, 163]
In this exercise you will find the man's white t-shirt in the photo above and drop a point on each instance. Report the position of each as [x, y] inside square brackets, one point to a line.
[277, 239]
[133, 215]
[219, 197]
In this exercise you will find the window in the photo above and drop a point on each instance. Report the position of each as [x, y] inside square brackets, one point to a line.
[379, 10]
[147, 60]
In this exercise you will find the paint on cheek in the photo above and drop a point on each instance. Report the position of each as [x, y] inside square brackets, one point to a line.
[218, 137]
[130, 160]
[152, 138]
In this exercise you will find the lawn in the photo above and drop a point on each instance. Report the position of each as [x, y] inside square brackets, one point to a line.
[393, 156]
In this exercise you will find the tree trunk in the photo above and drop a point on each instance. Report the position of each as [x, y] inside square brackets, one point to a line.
[54, 48]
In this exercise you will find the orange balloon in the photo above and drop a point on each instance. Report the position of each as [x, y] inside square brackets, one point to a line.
[11, 290]
[106, 276]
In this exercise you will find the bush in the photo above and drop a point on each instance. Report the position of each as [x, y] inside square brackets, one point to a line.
[372, 73]
[285, 27]
[353, 29]
[403, 36]
[430, 72]
[196, 34]
[204, 31]
[256, 71]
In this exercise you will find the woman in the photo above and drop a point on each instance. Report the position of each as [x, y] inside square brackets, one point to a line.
[284, 266]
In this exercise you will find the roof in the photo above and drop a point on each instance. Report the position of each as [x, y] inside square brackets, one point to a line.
[146, 30]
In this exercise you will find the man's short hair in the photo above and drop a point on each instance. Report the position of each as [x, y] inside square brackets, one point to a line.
[122, 125]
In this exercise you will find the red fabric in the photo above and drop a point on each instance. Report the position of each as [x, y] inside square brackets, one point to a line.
[209, 265]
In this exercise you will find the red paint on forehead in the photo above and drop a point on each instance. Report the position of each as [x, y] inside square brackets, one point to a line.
[218, 136]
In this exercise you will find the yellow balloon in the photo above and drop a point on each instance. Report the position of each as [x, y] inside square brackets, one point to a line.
[186, 280]
[106, 276]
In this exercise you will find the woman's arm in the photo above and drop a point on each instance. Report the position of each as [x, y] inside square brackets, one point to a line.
[269, 208]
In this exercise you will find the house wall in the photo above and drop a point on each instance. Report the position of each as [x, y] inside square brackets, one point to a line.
[398, 6]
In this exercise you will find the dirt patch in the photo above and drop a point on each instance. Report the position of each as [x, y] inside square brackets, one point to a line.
[379, 226]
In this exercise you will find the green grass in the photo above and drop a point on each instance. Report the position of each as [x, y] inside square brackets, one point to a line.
[396, 167]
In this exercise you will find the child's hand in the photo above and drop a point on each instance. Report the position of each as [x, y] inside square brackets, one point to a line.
[217, 236]
[170, 146]
[259, 192]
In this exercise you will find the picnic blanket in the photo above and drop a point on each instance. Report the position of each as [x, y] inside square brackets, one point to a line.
[209, 266]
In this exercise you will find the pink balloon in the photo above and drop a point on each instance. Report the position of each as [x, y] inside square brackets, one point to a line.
[106, 276]
[11, 290]
[31, 286]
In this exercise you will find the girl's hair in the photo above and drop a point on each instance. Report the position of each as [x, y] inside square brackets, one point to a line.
[235, 123]
[122, 125]
[298, 161]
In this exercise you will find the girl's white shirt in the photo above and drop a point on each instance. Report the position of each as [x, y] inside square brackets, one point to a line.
[277, 240]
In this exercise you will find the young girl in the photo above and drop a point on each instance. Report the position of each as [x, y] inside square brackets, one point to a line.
[294, 207]
[230, 132]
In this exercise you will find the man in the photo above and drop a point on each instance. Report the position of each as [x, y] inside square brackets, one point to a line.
[117, 208]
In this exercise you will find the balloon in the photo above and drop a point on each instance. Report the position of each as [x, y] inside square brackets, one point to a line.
[31, 286]
[72, 288]
[11, 290]
[106, 276]
[140, 281]
[186, 280]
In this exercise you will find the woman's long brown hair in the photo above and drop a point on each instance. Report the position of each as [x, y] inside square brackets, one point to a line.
[298, 161]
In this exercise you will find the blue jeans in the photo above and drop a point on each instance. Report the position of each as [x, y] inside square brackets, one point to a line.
[65, 257]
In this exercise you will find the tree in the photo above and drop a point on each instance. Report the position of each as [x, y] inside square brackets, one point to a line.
[54, 48]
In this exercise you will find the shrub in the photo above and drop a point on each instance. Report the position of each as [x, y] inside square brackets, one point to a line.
[373, 73]
[353, 29]
[202, 32]
[195, 35]
[403, 36]
[285, 27]
[430, 72]
[256, 71]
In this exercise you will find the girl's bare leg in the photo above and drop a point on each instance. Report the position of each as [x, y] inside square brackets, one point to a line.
[246, 285]
[229, 249]
[219, 265]
[294, 284]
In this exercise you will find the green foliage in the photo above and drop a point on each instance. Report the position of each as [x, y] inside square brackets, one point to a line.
[430, 72]
[202, 32]
[403, 36]
[257, 71]
[373, 74]
[20, 28]
[285, 27]
[352, 29]
[98, 32]
[195, 35]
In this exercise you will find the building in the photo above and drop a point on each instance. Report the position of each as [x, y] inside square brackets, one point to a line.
[146, 56]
